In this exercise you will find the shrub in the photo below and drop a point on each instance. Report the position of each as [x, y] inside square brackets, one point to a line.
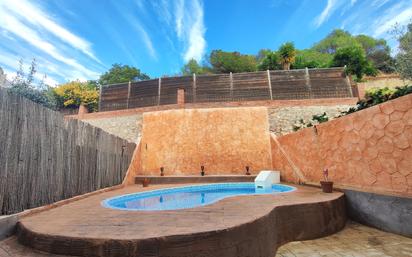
[316, 119]
[376, 96]
[75, 93]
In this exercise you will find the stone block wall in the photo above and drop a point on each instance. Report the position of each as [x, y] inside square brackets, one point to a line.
[282, 119]
[369, 150]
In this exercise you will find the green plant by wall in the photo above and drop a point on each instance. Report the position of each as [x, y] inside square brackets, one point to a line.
[316, 119]
[376, 96]
[75, 93]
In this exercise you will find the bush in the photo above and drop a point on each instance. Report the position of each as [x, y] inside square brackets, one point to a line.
[376, 96]
[75, 93]
[355, 61]
[316, 119]
[26, 86]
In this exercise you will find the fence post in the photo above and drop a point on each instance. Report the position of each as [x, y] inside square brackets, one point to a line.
[231, 86]
[308, 84]
[194, 88]
[128, 93]
[269, 84]
[100, 96]
[158, 92]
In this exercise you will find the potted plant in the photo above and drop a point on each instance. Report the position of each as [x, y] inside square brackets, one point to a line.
[327, 186]
[145, 182]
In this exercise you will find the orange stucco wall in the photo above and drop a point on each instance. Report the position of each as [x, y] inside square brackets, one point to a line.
[224, 140]
[369, 149]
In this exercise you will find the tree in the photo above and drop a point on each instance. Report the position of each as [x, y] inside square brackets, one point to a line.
[308, 58]
[338, 38]
[404, 57]
[75, 93]
[26, 86]
[287, 54]
[225, 62]
[192, 66]
[262, 54]
[119, 73]
[270, 61]
[378, 52]
[354, 59]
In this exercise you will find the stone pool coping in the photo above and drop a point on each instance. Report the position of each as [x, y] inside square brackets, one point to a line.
[236, 226]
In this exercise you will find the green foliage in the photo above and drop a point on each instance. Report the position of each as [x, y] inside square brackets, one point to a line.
[312, 59]
[270, 61]
[23, 84]
[316, 119]
[376, 96]
[404, 57]
[75, 93]
[355, 60]
[121, 73]
[287, 54]
[378, 52]
[262, 54]
[335, 40]
[225, 62]
[375, 50]
[192, 66]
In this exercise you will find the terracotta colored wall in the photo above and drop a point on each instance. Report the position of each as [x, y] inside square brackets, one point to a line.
[224, 140]
[369, 149]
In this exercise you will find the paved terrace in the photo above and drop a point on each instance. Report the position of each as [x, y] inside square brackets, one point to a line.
[353, 240]
[86, 228]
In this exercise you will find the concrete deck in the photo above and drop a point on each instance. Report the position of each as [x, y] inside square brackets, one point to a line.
[237, 226]
[354, 240]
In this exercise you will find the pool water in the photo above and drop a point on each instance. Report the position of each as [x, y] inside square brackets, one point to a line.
[187, 197]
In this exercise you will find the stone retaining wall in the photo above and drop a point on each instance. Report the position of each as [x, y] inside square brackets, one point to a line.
[282, 119]
[126, 127]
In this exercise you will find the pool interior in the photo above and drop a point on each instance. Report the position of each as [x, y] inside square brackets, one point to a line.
[187, 196]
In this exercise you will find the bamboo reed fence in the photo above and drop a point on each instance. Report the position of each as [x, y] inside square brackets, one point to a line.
[45, 158]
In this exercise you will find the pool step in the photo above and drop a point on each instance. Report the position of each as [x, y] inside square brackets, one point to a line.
[195, 179]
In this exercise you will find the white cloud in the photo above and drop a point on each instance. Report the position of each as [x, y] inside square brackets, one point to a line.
[179, 13]
[190, 28]
[197, 42]
[325, 14]
[19, 29]
[387, 23]
[133, 21]
[35, 16]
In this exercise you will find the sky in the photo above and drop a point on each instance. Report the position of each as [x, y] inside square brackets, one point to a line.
[81, 39]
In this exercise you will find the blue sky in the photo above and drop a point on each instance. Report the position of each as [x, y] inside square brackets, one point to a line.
[73, 39]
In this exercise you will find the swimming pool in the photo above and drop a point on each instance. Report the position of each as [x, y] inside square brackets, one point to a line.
[187, 196]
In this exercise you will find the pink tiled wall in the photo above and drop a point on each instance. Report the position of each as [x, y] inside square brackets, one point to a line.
[369, 149]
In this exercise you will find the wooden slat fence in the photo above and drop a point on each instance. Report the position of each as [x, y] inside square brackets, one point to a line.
[262, 85]
[44, 158]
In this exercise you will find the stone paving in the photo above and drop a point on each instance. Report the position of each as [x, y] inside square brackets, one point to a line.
[225, 230]
[127, 127]
[355, 240]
